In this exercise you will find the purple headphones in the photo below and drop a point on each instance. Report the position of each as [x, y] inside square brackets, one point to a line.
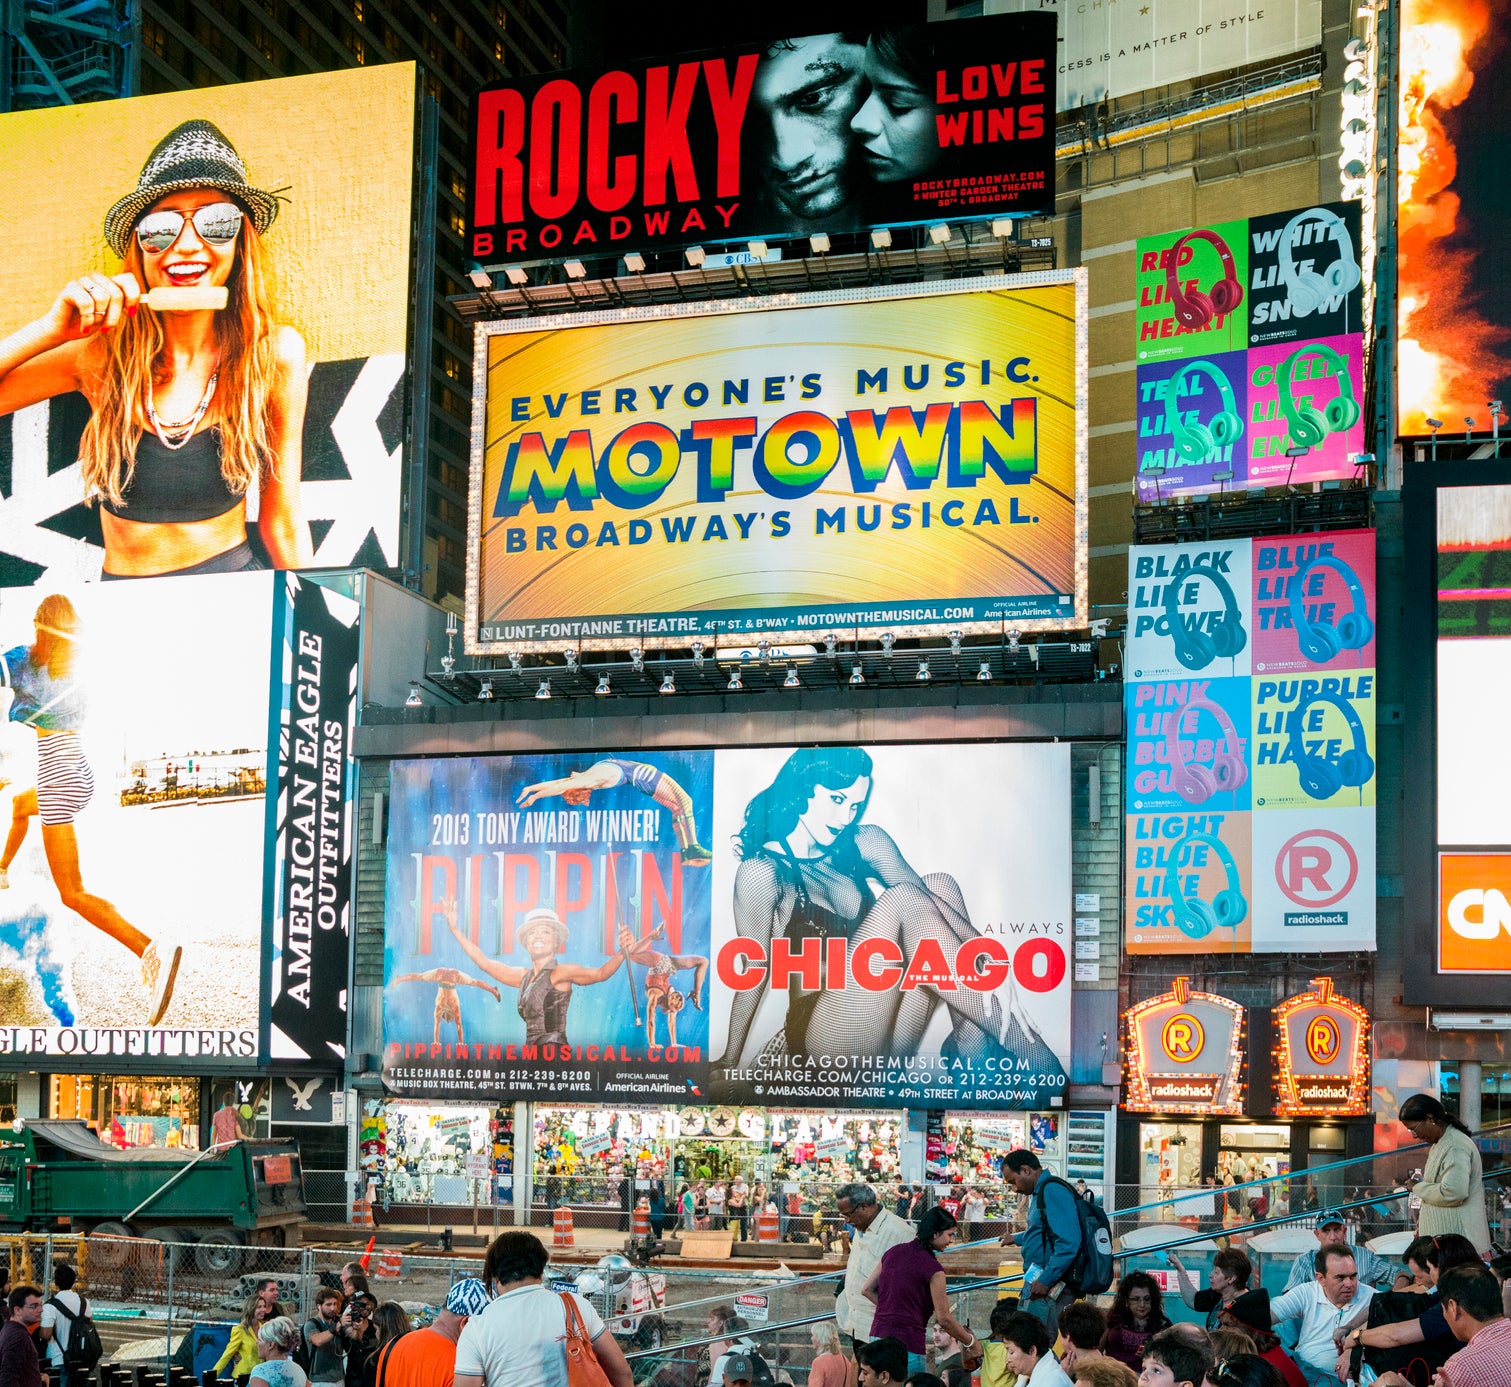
[1196, 784]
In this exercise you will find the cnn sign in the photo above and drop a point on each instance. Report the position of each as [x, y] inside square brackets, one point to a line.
[1474, 913]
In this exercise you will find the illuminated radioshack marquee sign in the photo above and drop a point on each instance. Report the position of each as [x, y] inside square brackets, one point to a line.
[1185, 1053]
[1321, 1055]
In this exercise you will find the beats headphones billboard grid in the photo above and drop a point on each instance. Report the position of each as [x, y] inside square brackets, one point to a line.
[1250, 357]
[1251, 731]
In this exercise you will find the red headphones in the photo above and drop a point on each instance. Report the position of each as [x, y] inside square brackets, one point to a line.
[1196, 309]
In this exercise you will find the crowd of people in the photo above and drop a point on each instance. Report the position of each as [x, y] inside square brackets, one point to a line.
[1345, 1314]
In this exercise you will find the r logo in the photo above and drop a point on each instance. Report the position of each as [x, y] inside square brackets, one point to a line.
[1323, 1039]
[1317, 868]
[1182, 1038]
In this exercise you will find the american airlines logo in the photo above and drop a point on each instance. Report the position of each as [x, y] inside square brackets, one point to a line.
[1474, 913]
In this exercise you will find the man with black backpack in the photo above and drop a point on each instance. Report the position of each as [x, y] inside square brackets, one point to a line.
[1067, 1245]
[73, 1342]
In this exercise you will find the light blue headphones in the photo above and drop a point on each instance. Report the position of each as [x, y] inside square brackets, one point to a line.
[1318, 640]
[1194, 917]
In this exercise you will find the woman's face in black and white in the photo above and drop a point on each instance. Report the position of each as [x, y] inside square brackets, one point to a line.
[830, 812]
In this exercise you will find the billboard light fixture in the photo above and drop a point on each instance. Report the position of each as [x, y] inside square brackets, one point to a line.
[734, 685]
[603, 686]
[955, 638]
[886, 644]
[881, 238]
[575, 269]
[818, 243]
[757, 249]
[515, 663]
[792, 681]
[516, 275]
[668, 684]
[637, 659]
[939, 233]
[480, 278]
[698, 648]
[414, 700]
[544, 691]
[1013, 637]
[831, 642]
[923, 676]
[634, 262]
[696, 255]
[485, 691]
[1002, 228]
[984, 674]
[857, 674]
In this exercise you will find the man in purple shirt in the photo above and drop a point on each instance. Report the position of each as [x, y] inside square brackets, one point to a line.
[18, 1347]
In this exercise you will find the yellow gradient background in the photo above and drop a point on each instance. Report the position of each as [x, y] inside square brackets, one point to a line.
[885, 565]
[341, 144]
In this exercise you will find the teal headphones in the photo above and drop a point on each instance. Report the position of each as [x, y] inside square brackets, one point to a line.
[1196, 918]
[1200, 442]
[1308, 426]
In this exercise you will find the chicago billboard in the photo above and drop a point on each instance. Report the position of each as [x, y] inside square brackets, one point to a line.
[1458, 586]
[205, 356]
[142, 791]
[909, 460]
[1250, 704]
[847, 925]
[1250, 355]
[828, 132]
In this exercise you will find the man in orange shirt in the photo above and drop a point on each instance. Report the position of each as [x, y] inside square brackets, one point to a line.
[427, 1357]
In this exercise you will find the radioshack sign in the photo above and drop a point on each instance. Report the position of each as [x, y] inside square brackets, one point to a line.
[1321, 1054]
[1185, 1053]
[1474, 912]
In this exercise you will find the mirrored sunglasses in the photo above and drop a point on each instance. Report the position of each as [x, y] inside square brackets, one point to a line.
[217, 224]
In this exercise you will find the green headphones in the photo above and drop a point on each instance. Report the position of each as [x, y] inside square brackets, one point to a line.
[1308, 426]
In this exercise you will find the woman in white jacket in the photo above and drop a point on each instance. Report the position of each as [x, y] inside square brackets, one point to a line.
[1452, 1187]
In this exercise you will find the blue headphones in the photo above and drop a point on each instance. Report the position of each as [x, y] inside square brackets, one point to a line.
[1320, 777]
[1196, 918]
[1197, 649]
[1201, 442]
[1318, 640]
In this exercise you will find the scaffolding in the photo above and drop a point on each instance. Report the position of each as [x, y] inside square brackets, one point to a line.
[59, 52]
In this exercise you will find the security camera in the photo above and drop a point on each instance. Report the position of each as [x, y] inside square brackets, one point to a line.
[1434, 423]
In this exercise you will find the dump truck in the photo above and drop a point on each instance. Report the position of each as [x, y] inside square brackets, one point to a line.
[60, 1177]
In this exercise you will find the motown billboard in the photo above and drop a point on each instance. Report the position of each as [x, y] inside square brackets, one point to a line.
[832, 132]
[910, 459]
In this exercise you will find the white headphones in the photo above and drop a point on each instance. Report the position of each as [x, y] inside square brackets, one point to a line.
[1309, 291]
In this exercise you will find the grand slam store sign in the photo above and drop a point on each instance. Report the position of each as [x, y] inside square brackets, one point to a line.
[913, 460]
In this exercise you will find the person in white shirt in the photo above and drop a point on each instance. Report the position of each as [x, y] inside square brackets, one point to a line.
[55, 1324]
[520, 1340]
[1333, 1298]
[716, 1204]
[1028, 1342]
[877, 1231]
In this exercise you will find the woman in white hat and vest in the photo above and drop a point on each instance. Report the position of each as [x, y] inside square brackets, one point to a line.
[197, 395]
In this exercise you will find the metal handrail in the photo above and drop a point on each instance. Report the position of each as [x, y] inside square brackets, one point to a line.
[1190, 1236]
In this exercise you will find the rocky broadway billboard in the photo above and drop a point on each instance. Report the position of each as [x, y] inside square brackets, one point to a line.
[831, 132]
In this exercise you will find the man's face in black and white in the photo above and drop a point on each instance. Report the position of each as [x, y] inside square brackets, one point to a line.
[807, 91]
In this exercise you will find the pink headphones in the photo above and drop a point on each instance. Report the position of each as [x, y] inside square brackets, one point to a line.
[1196, 784]
[1197, 309]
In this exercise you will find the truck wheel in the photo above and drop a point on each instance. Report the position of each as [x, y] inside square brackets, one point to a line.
[221, 1252]
[176, 1242]
[106, 1256]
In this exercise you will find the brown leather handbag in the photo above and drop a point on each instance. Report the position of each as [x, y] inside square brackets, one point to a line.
[583, 1367]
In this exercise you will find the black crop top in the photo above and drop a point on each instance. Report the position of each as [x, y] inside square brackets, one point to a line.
[176, 485]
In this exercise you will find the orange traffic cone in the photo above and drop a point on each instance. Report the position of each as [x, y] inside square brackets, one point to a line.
[561, 1229]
